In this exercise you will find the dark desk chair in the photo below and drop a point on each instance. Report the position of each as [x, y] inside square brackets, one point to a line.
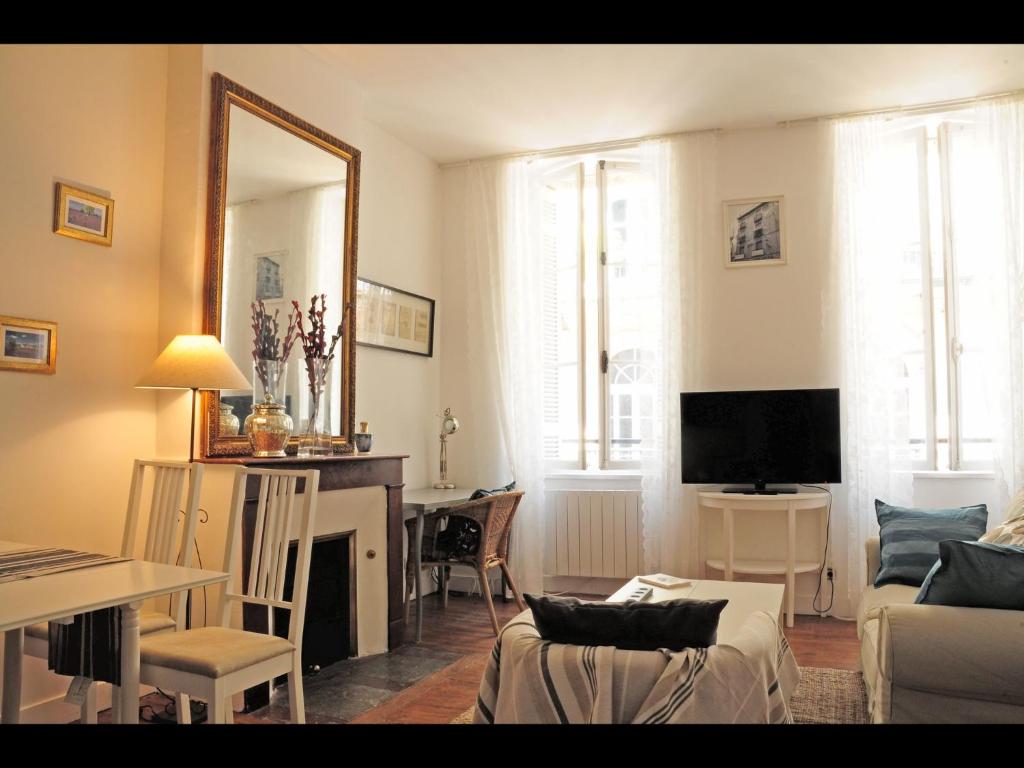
[492, 515]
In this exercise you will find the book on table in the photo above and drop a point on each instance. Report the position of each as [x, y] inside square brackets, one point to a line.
[664, 581]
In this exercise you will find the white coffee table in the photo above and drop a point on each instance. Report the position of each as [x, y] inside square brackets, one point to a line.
[745, 597]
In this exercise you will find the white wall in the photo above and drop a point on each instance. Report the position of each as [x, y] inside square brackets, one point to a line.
[398, 235]
[137, 128]
[91, 116]
[769, 327]
[398, 244]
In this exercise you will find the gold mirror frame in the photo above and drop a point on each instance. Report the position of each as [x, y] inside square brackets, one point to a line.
[225, 93]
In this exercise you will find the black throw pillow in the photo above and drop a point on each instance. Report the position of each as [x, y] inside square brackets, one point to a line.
[631, 626]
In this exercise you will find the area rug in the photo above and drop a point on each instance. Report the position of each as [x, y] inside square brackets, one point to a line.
[824, 696]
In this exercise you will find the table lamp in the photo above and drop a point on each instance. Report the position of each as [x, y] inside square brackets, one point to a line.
[449, 426]
[194, 362]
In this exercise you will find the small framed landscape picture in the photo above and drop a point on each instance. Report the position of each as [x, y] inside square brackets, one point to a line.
[83, 215]
[390, 318]
[755, 232]
[27, 345]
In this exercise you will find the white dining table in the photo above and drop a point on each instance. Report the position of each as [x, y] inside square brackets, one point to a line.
[58, 596]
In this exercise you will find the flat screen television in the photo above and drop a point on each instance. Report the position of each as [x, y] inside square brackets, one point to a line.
[761, 437]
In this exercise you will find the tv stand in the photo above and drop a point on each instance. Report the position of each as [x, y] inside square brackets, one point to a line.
[757, 490]
[752, 558]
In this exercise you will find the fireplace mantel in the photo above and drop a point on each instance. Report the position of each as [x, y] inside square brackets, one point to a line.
[339, 472]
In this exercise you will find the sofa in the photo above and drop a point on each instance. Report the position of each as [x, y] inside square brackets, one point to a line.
[937, 663]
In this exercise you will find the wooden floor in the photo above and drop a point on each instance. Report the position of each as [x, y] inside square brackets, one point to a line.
[465, 628]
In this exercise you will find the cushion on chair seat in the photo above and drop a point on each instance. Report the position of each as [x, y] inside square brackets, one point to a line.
[149, 621]
[874, 599]
[211, 651]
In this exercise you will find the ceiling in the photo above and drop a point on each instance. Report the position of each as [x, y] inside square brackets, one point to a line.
[455, 102]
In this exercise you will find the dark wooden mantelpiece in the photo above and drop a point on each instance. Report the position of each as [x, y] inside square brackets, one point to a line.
[341, 472]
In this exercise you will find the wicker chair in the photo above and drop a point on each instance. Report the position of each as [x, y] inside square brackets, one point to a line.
[494, 514]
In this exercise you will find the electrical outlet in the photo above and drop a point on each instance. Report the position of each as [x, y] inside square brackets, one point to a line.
[830, 574]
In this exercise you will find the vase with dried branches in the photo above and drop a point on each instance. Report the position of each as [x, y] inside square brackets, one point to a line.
[318, 351]
[269, 426]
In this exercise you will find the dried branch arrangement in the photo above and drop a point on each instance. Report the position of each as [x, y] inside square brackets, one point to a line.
[317, 350]
[267, 344]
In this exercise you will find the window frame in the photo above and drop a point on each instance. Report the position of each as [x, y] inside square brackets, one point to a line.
[933, 140]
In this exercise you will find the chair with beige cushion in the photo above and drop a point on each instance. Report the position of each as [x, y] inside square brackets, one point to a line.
[213, 663]
[164, 485]
[940, 663]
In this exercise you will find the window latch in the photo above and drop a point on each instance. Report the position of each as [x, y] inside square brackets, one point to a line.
[604, 361]
[956, 348]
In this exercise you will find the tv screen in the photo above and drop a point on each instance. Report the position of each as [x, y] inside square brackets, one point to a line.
[759, 437]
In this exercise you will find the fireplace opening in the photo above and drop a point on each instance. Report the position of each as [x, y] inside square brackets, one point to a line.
[329, 631]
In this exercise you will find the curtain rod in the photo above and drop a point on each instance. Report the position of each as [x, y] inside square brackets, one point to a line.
[934, 106]
[578, 148]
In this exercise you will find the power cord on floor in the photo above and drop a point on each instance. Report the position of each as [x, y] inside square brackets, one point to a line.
[169, 713]
[824, 557]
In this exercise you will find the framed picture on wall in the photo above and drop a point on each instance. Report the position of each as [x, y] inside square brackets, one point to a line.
[390, 318]
[755, 232]
[29, 346]
[270, 275]
[83, 215]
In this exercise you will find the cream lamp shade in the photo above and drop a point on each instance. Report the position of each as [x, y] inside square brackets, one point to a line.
[194, 362]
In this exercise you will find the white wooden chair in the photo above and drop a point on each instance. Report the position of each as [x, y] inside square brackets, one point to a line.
[163, 544]
[213, 663]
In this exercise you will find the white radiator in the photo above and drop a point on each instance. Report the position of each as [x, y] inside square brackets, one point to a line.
[593, 533]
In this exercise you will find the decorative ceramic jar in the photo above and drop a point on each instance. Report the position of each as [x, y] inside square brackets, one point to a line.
[228, 421]
[268, 426]
[364, 440]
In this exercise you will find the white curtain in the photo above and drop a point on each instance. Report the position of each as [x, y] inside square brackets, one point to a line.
[868, 259]
[318, 235]
[505, 307]
[999, 141]
[680, 172]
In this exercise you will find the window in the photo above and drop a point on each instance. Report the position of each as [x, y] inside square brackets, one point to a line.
[598, 382]
[944, 318]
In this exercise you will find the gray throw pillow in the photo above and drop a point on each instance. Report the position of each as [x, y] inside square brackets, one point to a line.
[976, 574]
[910, 538]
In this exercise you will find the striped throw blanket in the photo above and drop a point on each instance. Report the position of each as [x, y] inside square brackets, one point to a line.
[530, 680]
[33, 562]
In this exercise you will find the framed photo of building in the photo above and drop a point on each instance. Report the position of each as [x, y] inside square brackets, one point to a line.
[755, 232]
[390, 318]
[29, 346]
[83, 215]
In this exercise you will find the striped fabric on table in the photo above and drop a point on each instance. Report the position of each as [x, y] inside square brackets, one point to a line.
[40, 561]
[910, 538]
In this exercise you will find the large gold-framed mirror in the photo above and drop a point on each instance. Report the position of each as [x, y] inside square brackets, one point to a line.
[281, 226]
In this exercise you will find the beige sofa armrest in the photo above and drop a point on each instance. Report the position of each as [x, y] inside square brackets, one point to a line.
[972, 653]
[873, 551]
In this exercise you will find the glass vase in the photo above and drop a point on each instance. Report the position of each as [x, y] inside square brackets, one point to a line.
[315, 433]
[268, 426]
[268, 381]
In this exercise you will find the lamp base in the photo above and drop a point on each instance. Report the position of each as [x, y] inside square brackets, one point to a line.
[444, 486]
